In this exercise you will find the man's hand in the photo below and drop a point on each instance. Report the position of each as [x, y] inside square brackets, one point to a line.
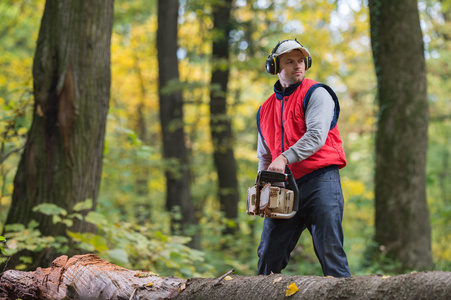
[279, 164]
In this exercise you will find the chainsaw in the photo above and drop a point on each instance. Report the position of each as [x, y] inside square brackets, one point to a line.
[271, 198]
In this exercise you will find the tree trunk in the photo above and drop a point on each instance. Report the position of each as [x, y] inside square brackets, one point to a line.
[403, 230]
[142, 176]
[445, 174]
[89, 277]
[62, 159]
[171, 116]
[220, 122]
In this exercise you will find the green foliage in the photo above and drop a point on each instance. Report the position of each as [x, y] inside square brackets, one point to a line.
[18, 33]
[126, 244]
[141, 247]
[2, 250]
[376, 262]
[20, 237]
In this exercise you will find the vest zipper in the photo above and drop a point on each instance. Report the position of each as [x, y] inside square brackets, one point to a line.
[281, 124]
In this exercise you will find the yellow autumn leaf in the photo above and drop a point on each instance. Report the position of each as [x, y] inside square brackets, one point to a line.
[145, 274]
[228, 278]
[22, 130]
[292, 289]
[385, 276]
[141, 274]
[149, 284]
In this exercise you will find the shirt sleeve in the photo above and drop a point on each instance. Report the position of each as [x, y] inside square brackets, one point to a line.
[318, 117]
[263, 154]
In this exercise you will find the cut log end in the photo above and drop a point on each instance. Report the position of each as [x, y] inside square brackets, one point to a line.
[85, 277]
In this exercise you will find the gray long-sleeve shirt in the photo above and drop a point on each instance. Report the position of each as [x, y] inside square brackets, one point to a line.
[318, 116]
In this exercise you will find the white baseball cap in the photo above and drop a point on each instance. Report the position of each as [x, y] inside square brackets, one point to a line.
[290, 45]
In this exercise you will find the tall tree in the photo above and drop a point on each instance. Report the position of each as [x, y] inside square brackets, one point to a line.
[220, 121]
[171, 117]
[402, 218]
[62, 160]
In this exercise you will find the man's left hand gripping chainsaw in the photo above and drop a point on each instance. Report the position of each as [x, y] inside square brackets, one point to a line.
[269, 197]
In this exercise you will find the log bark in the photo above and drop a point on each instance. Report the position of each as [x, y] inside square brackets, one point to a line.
[89, 277]
[424, 285]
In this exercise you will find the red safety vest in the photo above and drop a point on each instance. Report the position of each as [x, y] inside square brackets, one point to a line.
[282, 123]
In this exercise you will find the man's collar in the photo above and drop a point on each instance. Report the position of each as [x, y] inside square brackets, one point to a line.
[280, 93]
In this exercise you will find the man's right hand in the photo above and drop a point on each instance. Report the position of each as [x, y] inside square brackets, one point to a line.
[279, 164]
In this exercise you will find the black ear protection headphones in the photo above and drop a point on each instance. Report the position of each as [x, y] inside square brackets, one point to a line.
[272, 62]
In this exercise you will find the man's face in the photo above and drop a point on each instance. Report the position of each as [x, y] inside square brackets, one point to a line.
[292, 68]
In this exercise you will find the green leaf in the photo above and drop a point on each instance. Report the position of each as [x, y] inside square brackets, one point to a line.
[61, 239]
[75, 215]
[177, 239]
[26, 259]
[161, 236]
[231, 223]
[84, 205]
[21, 267]
[95, 218]
[68, 222]
[33, 224]
[2, 250]
[49, 209]
[14, 227]
[56, 219]
[98, 242]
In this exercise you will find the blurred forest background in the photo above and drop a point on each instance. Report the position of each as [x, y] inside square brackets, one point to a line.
[135, 227]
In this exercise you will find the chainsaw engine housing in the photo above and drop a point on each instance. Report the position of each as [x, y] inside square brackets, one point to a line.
[270, 198]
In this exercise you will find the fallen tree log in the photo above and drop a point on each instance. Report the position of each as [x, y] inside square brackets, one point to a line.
[89, 277]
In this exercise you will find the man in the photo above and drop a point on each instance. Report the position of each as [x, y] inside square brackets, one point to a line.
[298, 128]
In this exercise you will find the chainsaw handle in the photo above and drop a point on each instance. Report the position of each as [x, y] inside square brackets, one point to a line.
[270, 176]
[283, 216]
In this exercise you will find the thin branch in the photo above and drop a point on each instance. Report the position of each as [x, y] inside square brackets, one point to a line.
[218, 281]
[133, 294]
